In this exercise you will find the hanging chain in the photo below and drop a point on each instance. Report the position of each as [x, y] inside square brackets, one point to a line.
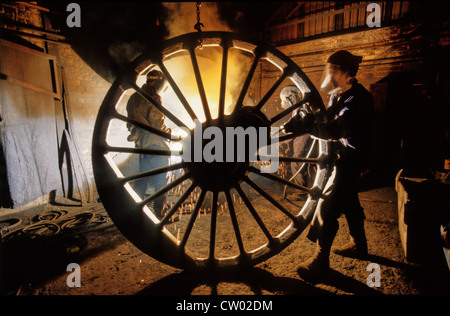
[199, 25]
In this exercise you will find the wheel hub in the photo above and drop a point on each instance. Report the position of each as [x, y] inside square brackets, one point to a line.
[223, 174]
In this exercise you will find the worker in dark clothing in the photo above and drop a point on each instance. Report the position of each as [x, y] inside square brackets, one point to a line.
[350, 113]
[142, 111]
[291, 95]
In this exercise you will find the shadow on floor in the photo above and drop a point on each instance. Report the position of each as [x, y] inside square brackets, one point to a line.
[35, 261]
[258, 280]
[429, 278]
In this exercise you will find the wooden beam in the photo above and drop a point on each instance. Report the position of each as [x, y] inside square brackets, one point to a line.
[299, 4]
[28, 27]
[31, 5]
[316, 16]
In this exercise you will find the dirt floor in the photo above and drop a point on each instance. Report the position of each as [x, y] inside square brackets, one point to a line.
[111, 265]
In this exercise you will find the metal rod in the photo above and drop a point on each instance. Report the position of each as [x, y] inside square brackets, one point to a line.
[376, 201]
[158, 105]
[223, 79]
[212, 238]
[144, 126]
[270, 199]
[277, 178]
[292, 159]
[254, 214]
[153, 172]
[164, 189]
[272, 90]
[301, 167]
[145, 151]
[198, 205]
[249, 78]
[177, 90]
[177, 204]
[235, 223]
[201, 88]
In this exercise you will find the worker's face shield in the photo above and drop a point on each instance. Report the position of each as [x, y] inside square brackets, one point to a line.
[331, 76]
[289, 96]
[288, 102]
[159, 84]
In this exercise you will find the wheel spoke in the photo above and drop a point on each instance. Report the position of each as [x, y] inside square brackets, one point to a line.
[212, 236]
[223, 78]
[270, 199]
[292, 159]
[201, 87]
[177, 204]
[146, 127]
[249, 78]
[153, 172]
[277, 178]
[198, 205]
[177, 90]
[235, 223]
[254, 214]
[158, 105]
[304, 164]
[272, 90]
[164, 189]
[145, 151]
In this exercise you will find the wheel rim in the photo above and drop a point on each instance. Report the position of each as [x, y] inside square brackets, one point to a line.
[131, 213]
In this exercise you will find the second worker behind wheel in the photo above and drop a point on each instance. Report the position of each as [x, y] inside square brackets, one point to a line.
[302, 175]
[350, 114]
[142, 111]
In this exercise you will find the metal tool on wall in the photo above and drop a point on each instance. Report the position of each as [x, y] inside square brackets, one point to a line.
[69, 150]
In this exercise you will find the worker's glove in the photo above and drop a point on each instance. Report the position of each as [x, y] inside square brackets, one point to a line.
[166, 129]
[299, 124]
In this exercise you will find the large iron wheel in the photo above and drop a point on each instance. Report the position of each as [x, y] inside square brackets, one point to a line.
[208, 194]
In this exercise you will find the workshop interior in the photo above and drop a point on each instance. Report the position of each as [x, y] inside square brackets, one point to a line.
[120, 173]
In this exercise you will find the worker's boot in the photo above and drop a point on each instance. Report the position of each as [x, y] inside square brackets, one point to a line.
[317, 266]
[357, 247]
